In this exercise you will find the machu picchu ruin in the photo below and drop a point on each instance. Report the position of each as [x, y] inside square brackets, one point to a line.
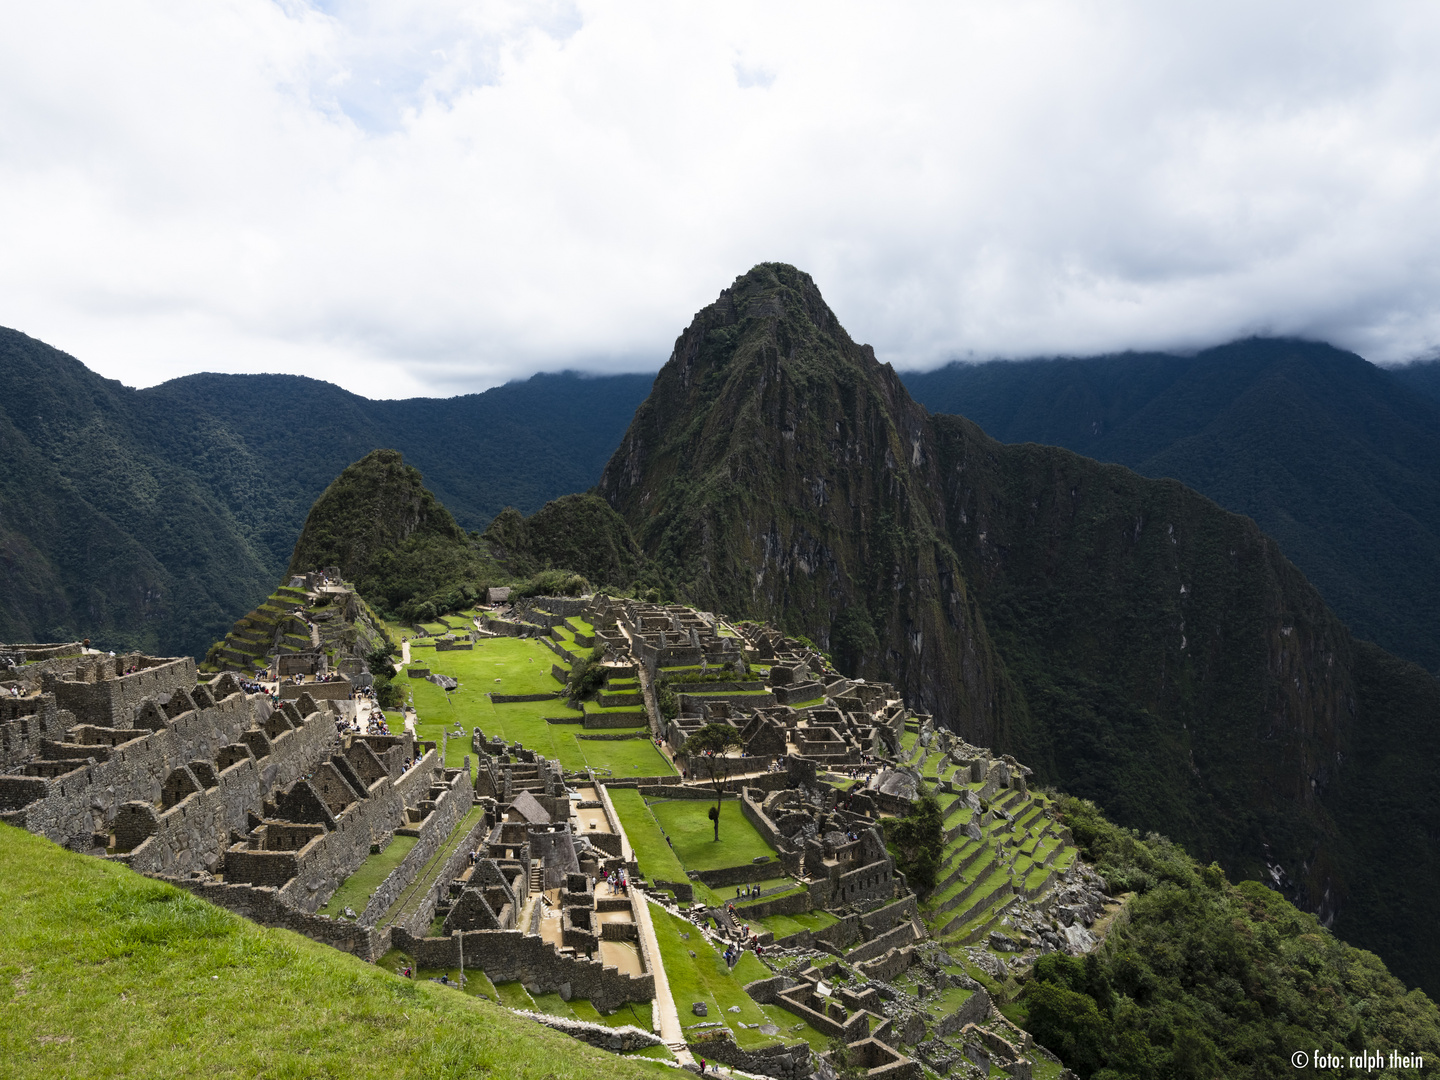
[563, 865]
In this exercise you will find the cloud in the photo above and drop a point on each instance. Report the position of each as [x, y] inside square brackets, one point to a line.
[411, 198]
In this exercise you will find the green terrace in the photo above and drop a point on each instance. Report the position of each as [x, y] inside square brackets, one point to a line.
[521, 666]
[697, 972]
[978, 879]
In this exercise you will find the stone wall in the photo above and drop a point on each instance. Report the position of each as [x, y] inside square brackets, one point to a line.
[26, 722]
[111, 701]
[780, 1061]
[898, 937]
[637, 718]
[882, 919]
[339, 690]
[791, 904]
[974, 1011]
[81, 803]
[616, 1039]
[740, 875]
[885, 968]
[434, 832]
[194, 833]
[839, 935]
[511, 955]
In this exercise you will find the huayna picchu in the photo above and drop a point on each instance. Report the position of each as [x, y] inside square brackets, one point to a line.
[825, 739]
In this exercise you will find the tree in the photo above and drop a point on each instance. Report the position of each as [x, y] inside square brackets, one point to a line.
[918, 839]
[708, 746]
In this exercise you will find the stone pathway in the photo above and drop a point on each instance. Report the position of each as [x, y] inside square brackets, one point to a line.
[667, 1019]
[666, 1016]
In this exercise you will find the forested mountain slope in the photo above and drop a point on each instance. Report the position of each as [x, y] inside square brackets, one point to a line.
[1126, 636]
[1336, 459]
[154, 518]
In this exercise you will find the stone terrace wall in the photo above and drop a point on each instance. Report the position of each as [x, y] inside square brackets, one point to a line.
[433, 832]
[882, 919]
[370, 821]
[327, 862]
[901, 935]
[509, 955]
[264, 905]
[780, 1061]
[78, 804]
[619, 1039]
[331, 691]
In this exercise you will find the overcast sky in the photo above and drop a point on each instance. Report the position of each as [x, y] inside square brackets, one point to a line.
[433, 198]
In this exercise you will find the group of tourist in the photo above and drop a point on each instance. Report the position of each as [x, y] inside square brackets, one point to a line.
[747, 892]
[618, 881]
[373, 724]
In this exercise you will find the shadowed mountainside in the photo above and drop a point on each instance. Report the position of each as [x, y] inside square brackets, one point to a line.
[1127, 637]
[1337, 459]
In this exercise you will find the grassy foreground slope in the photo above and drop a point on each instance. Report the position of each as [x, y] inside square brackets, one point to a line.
[107, 973]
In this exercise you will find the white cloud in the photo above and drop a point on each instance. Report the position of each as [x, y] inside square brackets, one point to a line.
[427, 198]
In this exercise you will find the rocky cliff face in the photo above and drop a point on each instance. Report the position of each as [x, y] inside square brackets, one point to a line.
[1130, 639]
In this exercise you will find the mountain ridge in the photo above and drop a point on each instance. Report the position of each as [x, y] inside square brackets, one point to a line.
[1048, 605]
[153, 518]
[1337, 459]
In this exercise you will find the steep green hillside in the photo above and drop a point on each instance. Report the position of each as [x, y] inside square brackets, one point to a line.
[105, 973]
[152, 518]
[103, 536]
[1202, 978]
[579, 532]
[1125, 636]
[1336, 459]
[391, 538]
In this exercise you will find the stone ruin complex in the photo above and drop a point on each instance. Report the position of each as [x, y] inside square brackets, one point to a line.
[267, 809]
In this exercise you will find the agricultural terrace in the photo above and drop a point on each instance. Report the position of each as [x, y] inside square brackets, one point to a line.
[513, 666]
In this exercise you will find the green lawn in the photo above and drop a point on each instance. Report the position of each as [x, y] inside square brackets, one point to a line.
[356, 889]
[704, 977]
[118, 975]
[656, 859]
[522, 666]
[693, 833]
[626, 757]
[785, 925]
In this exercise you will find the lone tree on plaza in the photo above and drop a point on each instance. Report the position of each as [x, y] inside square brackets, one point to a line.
[708, 747]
